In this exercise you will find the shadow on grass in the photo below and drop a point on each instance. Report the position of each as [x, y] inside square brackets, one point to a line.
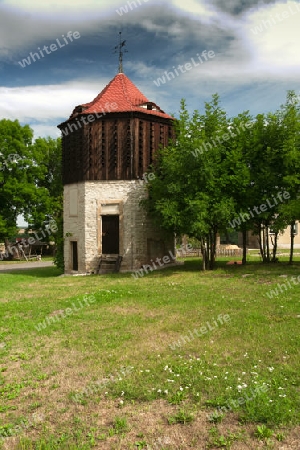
[38, 272]
[190, 265]
[195, 265]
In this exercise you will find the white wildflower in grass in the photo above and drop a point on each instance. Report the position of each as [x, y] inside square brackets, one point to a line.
[159, 391]
[270, 369]
[166, 391]
[171, 381]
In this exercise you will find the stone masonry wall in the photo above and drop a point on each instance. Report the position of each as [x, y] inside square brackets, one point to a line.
[140, 242]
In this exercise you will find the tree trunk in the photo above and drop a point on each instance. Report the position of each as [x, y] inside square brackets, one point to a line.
[261, 248]
[292, 243]
[244, 237]
[207, 249]
[8, 250]
[267, 243]
[203, 251]
[213, 243]
[275, 247]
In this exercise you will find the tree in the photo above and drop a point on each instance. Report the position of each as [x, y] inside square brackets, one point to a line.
[30, 178]
[51, 209]
[289, 115]
[17, 174]
[51, 181]
[219, 170]
[189, 194]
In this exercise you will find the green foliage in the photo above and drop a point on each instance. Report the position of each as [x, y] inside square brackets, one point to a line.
[263, 432]
[30, 178]
[18, 173]
[221, 169]
[59, 239]
[182, 416]
[223, 441]
[120, 426]
[140, 444]
[188, 195]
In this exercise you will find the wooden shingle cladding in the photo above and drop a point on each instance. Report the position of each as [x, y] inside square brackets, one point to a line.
[118, 146]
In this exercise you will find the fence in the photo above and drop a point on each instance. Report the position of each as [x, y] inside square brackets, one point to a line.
[221, 251]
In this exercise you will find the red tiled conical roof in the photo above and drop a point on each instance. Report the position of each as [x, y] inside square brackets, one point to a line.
[120, 95]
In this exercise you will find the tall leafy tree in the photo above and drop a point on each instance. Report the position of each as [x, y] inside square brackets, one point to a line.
[289, 115]
[50, 207]
[189, 194]
[30, 178]
[19, 173]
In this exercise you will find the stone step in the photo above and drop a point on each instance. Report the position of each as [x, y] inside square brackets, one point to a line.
[108, 264]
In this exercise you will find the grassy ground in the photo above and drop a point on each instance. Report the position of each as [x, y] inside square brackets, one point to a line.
[22, 261]
[177, 359]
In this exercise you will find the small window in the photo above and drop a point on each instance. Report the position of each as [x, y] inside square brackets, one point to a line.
[74, 251]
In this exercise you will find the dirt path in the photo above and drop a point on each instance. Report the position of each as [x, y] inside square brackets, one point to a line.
[7, 268]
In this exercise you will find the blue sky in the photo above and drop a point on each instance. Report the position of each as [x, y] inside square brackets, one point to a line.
[255, 44]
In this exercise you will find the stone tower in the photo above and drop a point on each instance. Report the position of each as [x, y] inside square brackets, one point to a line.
[108, 145]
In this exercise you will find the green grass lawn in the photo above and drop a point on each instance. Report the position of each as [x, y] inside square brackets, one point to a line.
[177, 359]
[22, 261]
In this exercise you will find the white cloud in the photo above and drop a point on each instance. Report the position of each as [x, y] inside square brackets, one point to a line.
[43, 107]
[195, 8]
[269, 58]
[58, 7]
[273, 34]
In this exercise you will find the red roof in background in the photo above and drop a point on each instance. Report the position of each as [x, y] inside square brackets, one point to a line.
[120, 95]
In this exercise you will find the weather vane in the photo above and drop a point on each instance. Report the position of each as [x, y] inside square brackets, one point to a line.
[119, 48]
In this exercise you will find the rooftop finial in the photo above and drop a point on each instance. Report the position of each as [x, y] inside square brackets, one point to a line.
[119, 48]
